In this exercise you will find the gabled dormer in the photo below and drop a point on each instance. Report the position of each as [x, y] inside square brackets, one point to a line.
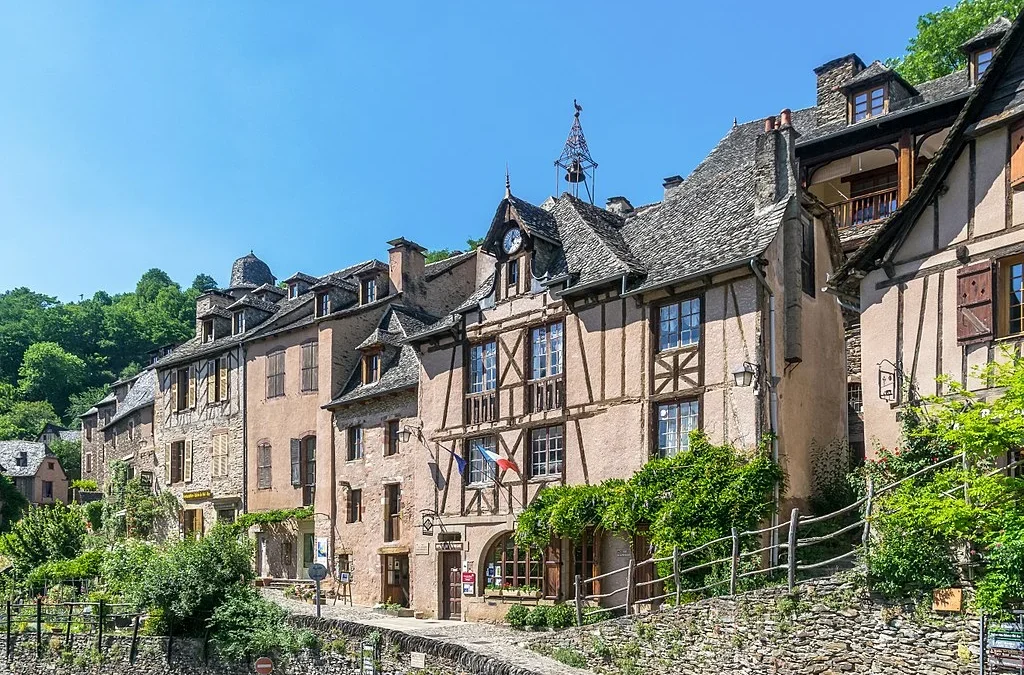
[299, 283]
[874, 92]
[519, 231]
[982, 47]
[213, 319]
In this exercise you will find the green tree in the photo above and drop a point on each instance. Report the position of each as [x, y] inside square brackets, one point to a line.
[81, 401]
[49, 373]
[935, 50]
[22, 419]
[203, 282]
[70, 455]
[438, 255]
[46, 533]
[12, 503]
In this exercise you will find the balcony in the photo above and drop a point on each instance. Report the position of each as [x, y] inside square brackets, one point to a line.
[869, 208]
[545, 394]
[482, 407]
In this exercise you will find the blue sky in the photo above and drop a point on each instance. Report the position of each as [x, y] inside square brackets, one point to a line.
[180, 135]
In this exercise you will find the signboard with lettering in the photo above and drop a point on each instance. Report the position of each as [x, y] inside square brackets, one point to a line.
[369, 660]
[323, 550]
[197, 494]
[417, 659]
[469, 577]
[1004, 645]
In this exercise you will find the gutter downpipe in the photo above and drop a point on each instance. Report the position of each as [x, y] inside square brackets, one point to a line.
[245, 434]
[773, 405]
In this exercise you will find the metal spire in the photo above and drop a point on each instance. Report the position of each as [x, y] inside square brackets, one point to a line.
[575, 160]
[508, 183]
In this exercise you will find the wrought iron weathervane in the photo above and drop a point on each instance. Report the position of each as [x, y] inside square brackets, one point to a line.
[576, 161]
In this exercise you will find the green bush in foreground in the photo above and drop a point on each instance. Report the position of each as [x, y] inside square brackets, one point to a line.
[516, 616]
[561, 616]
[538, 617]
[246, 625]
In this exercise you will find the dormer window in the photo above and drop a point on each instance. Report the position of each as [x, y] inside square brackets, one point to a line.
[867, 104]
[238, 323]
[323, 304]
[980, 63]
[369, 291]
[208, 330]
[371, 368]
[21, 459]
[293, 290]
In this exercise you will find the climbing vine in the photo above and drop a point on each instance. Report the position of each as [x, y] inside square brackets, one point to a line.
[131, 508]
[272, 517]
[682, 501]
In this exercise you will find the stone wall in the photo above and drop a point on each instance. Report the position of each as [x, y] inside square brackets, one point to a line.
[828, 627]
[338, 654]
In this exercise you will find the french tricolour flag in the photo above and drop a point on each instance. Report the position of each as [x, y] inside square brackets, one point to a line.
[506, 464]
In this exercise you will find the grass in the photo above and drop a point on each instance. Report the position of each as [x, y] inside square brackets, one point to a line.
[569, 657]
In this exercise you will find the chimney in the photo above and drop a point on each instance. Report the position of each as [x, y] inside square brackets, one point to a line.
[832, 102]
[405, 266]
[775, 161]
[671, 185]
[620, 206]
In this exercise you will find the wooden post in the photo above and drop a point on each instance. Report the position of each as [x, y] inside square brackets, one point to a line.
[630, 576]
[735, 563]
[578, 584]
[67, 638]
[794, 519]
[868, 504]
[99, 634]
[676, 578]
[7, 645]
[39, 625]
[905, 162]
[135, 642]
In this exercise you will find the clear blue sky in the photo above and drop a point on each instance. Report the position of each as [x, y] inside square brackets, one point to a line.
[181, 134]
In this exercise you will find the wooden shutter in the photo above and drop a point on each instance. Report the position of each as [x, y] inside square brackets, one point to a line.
[174, 390]
[296, 450]
[1017, 155]
[192, 384]
[198, 522]
[167, 463]
[974, 311]
[211, 381]
[186, 470]
[222, 364]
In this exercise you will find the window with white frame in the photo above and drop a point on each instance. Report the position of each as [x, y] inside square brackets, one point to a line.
[483, 367]
[481, 468]
[675, 422]
[546, 452]
[679, 324]
[546, 351]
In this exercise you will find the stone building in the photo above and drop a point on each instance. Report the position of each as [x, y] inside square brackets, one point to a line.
[939, 280]
[54, 432]
[35, 471]
[604, 336]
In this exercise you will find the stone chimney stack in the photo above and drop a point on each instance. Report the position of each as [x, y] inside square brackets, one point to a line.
[671, 185]
[405, 266]
[620, 206]
[831, 101]
[775, 160]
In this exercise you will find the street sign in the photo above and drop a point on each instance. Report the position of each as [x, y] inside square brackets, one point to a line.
[469, 577]
[264, 666]
[317, 572]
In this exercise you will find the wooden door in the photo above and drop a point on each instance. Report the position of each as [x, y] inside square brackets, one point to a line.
[451, 595]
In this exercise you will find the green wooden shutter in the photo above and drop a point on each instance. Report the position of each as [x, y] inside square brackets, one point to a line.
[296, 450]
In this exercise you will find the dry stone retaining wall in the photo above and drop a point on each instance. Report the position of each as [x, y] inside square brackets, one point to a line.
[830, 627]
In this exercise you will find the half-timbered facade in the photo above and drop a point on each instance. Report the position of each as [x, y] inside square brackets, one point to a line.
[939, 283]
[603, 337]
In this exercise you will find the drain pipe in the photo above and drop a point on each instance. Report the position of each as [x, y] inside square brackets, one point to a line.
[773, 405]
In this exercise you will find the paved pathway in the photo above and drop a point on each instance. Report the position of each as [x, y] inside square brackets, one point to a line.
[498, 641]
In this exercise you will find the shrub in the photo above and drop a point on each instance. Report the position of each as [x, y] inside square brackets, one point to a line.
[516, 616]
[94, 515]
[569, 657]
[901, 564]
[85, 485]
[46, 533]
[561, 616]
[124, 567]
[246, 624]
[85, 566]
[538, 617]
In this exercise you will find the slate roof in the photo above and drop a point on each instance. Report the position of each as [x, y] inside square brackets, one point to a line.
[215, 311]
[535, 220]
[35, 454]
[139, 396]
[250, 272]
[989, 34]
[302, 276]
[249, 301]
[876, 72]
[270, 288]
[70, 435]
[400, 366]
[436, 269]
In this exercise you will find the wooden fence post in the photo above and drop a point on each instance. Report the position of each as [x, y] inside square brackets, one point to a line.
[735, 562]
[630, 577]
[866, 534]
[578, 585]
[7, 645]
[675, 574]
[794, 519]
[39, 625]
[67, 638]
[99, 634]
[135, 642]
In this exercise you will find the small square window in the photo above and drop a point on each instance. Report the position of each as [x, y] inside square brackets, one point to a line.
[208, 330]
[481, 468]
[870, 103]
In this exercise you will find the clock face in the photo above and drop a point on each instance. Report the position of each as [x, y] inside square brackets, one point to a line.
[513, 240]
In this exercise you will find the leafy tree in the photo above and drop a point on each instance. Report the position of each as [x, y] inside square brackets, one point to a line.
[70, 455]
[22, 419]
[935, 50]
[474, 244]
[438, 255]
[12, 503]
[49, 373]
[203, 282]
[46, 533]
[151, 283]
[81, 401]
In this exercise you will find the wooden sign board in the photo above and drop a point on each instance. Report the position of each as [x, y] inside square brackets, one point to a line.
[417, 659]
[947, 599]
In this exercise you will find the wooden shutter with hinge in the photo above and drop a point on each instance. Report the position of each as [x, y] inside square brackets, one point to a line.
[1017, 155]
[198, 522]
[974, 311]
[193, 383]
[167, 463]
[222, 366]
[174, 391]
[296, 451]
[186, 469]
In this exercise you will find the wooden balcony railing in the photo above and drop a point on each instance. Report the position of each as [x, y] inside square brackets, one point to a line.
[482, 407]
[545, 394]
[865, 209]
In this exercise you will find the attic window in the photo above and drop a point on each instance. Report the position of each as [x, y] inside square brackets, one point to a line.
[371, 368]
[982, 60]
[293, 290]
[369, 291]
[208, 330]
[870, 103]
[238, 323]
[21, 459]
[323, 304]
